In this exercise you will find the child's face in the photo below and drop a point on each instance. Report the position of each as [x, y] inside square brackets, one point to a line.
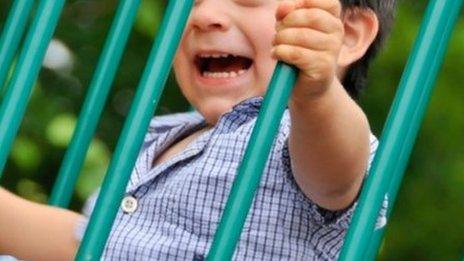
[225, 54]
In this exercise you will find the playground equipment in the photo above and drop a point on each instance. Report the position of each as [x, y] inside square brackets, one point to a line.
[396, 143]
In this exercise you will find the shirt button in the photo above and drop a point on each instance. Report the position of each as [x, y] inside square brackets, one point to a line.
[129, 204]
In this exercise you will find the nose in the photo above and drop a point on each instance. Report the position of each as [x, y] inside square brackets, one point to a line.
[209, 15]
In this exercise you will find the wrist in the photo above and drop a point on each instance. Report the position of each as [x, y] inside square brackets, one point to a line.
[305, 100]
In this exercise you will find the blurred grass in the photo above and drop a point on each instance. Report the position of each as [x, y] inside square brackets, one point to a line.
[426, 224]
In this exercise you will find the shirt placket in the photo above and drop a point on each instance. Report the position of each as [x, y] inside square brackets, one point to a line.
[144, 171]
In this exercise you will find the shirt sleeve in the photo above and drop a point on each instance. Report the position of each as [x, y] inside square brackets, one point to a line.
[337, 219]
[82, 223]
[80, 228]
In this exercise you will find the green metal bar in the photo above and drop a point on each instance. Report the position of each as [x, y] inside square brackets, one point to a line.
[13, 31]
[252, 166]
[94, 102]
[393, 189]
[146, 99]
[402, 125]
[29, 63]
[395, 183]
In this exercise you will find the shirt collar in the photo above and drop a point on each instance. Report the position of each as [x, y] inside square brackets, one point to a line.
[250, 105]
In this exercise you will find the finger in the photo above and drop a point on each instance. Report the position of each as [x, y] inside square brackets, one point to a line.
[314, 18]
[307, 38]
[332, 6]
[284, 8]
[315, 65]
[293, 55]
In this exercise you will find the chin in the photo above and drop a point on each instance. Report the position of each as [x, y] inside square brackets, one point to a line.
[213, 110]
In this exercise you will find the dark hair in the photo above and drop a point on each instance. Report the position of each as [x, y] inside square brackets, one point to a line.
[356, 77]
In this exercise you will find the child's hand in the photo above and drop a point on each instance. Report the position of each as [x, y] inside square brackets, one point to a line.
[309, 36]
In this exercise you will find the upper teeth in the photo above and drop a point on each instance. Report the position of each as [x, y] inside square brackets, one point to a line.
[216, 55]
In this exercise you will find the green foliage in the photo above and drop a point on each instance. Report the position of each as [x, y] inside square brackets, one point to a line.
[96, 163]
[426, 223]
[60, 129]
[148, 17]
[26, 153]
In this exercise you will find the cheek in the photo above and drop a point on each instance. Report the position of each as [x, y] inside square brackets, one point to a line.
[263, 37]
[181, 73]
[267, 71]
[265, 62]
[180, 66]
[265, 33]
[180, 62]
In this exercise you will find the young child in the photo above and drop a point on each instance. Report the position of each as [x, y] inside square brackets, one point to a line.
[179, 186]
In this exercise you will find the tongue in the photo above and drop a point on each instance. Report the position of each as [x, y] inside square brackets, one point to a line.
[229, 64]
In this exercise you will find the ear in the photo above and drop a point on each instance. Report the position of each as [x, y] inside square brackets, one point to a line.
[361, 28]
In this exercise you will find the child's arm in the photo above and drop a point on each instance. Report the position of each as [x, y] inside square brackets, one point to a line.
[31, 231]
[329, 137]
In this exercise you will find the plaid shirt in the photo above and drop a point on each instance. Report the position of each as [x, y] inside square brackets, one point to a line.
[180, 202]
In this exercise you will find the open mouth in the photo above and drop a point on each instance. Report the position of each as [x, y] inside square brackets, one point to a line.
[222, 65]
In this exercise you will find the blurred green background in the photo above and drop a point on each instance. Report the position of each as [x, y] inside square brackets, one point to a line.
[427, 220]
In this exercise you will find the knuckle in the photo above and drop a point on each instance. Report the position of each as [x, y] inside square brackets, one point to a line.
[333, 43]
[338, 43]
[326, 62]
[319, 74]
[338, 8]
[340, 29]
[335, 6]
[322, 66]
[316, 76]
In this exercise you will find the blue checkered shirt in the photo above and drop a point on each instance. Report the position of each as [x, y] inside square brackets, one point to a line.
[180, 202]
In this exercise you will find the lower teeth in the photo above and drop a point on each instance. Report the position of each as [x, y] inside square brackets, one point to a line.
[223, 74]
